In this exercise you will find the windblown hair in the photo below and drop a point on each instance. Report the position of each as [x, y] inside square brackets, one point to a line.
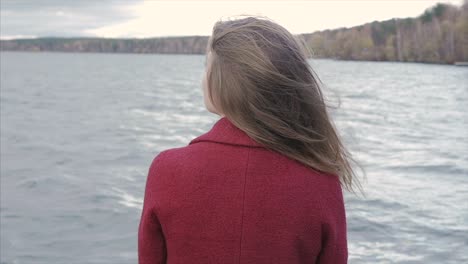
[261, 81]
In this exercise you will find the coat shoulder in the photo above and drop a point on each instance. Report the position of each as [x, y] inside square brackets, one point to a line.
[169, 157]
[182, 156]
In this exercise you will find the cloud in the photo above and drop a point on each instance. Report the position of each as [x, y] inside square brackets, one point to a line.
[138, 18]
[60, 18]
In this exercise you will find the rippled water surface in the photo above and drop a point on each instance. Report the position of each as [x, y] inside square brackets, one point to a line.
[78, 132]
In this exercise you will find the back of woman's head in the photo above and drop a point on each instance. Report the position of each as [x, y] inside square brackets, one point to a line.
[260, 79]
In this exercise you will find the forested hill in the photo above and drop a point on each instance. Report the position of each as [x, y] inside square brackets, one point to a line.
[439, 35]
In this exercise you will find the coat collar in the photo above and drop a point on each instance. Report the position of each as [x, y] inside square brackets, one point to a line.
[225, 132]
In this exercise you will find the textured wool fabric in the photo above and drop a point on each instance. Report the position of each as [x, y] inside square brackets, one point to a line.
[224, 198]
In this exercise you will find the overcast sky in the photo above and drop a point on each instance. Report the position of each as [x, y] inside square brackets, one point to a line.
[139, 18]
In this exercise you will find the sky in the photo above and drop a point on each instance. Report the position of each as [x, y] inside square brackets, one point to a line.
[151, 18]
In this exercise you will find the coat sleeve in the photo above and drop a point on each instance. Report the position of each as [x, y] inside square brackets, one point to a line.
[151, 242]
[334, 231]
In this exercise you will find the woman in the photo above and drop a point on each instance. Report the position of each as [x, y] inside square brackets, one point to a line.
[264, 185]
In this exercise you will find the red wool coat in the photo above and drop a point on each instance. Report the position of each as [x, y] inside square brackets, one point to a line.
[224, 198]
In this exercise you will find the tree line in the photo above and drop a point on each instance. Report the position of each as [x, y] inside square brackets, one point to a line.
[439, 35]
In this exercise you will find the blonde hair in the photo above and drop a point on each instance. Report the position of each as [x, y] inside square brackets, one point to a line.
[261, 81]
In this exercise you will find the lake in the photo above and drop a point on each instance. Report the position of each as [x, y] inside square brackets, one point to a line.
[79, 131]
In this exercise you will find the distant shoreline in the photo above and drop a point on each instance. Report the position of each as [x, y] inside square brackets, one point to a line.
[438, 36]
